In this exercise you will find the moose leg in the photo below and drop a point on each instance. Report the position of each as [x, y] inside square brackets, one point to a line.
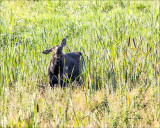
[62, 78]
[62, 81]
[52, 80]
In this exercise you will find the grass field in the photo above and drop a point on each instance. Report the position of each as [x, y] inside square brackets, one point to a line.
[121, 85]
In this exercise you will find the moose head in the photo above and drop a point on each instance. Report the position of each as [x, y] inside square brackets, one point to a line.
[63, 67]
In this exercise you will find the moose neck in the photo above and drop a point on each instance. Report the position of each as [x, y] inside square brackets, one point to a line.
[55, 62]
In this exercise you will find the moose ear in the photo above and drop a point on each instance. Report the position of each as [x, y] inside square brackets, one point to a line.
[63, 43]
[47, 51]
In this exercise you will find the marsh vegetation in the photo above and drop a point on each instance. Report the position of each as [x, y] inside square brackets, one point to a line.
[121, 86]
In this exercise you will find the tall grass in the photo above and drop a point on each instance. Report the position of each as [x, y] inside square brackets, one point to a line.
[120, 43]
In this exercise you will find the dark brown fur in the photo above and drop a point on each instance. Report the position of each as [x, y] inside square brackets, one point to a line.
[63, 67]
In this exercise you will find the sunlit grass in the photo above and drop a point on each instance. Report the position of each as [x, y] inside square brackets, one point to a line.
[120, 43]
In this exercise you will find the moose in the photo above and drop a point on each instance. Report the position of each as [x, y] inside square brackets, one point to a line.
[63, 67]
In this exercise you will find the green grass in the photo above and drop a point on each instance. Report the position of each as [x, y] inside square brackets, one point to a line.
[121, 85]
